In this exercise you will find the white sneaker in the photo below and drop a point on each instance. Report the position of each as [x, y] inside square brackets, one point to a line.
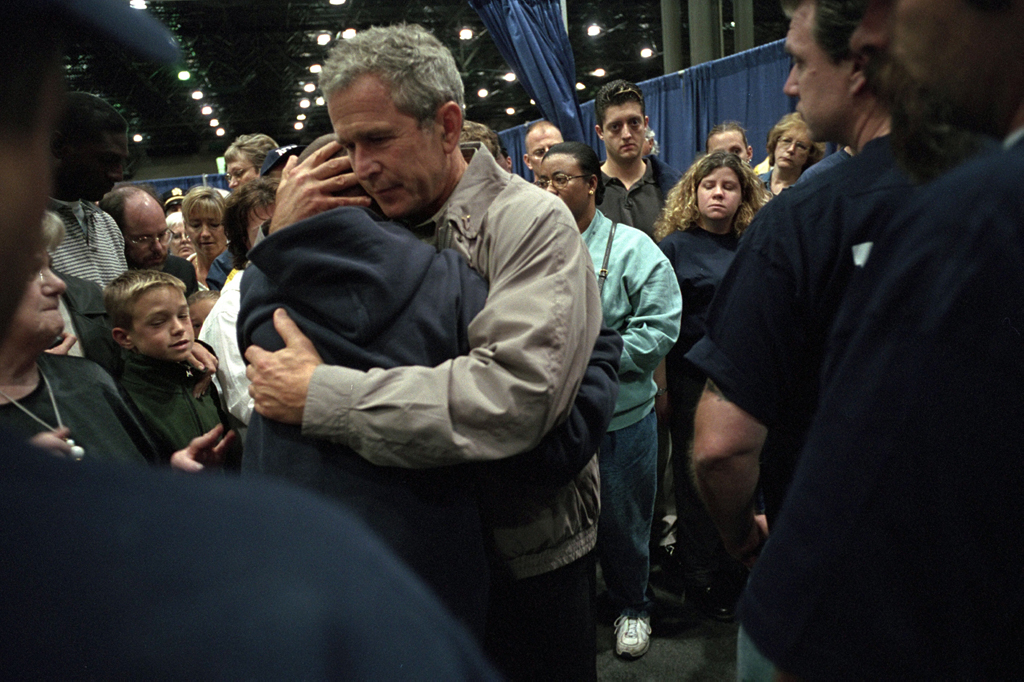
[632, 636]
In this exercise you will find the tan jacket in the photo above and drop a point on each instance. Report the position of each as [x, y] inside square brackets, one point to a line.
[530, 346]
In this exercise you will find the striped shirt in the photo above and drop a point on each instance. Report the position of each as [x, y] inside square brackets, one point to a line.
[93, 247]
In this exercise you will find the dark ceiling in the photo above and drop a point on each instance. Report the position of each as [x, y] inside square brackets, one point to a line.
[250, 59]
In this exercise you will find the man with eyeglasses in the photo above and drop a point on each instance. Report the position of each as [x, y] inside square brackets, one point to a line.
[541, 137]
[146, 235]
[635, 187]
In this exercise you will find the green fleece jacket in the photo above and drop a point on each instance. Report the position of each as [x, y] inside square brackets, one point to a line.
[162, 390]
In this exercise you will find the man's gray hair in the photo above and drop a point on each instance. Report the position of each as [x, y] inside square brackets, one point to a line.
[419, 70]
[834, 23]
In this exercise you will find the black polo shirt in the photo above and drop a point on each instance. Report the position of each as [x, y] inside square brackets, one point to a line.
[767, 327]
[639, 206]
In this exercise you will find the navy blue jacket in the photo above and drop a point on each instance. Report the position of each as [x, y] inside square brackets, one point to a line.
[369, 294]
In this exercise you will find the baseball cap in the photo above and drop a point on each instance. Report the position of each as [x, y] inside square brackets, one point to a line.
[279, 155]
[113, 20]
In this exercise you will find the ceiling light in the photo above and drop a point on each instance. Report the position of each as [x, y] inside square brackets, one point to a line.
[220, 132]
[214, 123]
[300, 117]
[581, 86]
[482, 92]
[533, 102]
[510, 111]
[138, 4]
[299, 125]
[337, 2]
[314, 68]
[207, 110]
[348, 33]
[593, 30]
[304, 103]
[323, 38]
[197, 94]
[466, 34]
[510, 77]
[600, 73]
[184, 75]
[137, 137]
[319, 101]
[647, 53]
[309, 87]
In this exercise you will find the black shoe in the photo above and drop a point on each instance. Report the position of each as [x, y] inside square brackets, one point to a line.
[717, 600]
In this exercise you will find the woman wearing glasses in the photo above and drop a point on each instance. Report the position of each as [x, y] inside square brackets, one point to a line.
[640, 300]
[704, 216]
[790, 152]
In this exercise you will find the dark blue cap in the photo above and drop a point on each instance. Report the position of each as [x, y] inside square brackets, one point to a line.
[114, 20]
[279, 155]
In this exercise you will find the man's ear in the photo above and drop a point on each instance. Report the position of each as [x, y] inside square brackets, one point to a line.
[123, 338]
[449, 117]
[600, 131]
[526, 160]
[857, 79]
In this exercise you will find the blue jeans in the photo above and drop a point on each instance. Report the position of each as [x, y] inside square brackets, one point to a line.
[629, 478]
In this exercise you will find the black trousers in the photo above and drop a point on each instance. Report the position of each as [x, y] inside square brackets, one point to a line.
[543, 627]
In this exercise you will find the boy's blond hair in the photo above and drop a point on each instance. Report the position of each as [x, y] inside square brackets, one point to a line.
[120, 296]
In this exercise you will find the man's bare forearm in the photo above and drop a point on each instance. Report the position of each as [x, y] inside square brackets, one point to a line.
[726, 449]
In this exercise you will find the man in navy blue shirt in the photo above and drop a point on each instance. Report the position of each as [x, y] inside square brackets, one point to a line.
[897, 552]
[769, 321]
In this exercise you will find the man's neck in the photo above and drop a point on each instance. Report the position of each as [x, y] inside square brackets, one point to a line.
[626, 172]
[873, 124]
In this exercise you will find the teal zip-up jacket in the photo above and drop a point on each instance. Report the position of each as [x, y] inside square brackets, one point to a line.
[641, 301]
[162, 390]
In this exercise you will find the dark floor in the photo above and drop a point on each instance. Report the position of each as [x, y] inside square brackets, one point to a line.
[684, 645]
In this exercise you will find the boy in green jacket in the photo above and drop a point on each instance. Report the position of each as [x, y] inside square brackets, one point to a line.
[151, 320]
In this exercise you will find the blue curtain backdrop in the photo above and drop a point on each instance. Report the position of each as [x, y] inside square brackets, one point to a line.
[218, 180]
[531, 37]
[744, 87]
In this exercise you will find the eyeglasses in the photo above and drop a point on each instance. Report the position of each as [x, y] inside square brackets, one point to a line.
[238, 175]
[559, 180]
[149, 239]
[785, 142]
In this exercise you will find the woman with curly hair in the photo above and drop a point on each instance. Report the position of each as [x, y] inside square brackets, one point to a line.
[704, 216]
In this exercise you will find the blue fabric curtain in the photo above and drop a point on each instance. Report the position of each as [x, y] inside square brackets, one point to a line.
[745, 87]
[531, 37]
[218, 180]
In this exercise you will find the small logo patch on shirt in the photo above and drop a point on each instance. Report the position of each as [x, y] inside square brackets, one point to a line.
[861, 253]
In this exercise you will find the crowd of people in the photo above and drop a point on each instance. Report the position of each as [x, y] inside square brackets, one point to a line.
[483, 382]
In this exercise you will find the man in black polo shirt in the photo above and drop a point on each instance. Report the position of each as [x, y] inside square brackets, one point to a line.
[635, 187]
[897, 553]
[769, 321]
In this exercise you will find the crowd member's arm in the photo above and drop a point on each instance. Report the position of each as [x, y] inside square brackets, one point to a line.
[203, 359]
[204, 451]
[653, 326]
[727, 443]
[219, 331]
[567, 448]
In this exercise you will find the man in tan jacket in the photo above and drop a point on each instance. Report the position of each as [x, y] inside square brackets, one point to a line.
[395, 100]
